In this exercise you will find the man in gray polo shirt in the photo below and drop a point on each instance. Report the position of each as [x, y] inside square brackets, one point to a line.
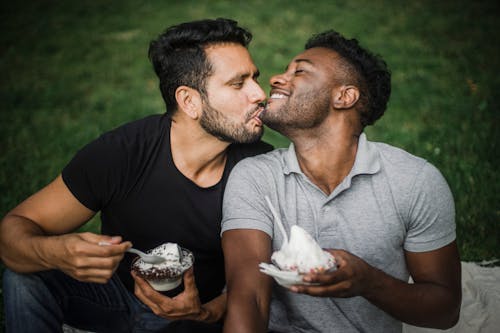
[388, 214]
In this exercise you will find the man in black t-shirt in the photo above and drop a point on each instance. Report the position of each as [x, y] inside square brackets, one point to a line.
[155, 180]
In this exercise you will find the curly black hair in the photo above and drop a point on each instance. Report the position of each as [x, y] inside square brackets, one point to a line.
[178, 55]
[368, 70]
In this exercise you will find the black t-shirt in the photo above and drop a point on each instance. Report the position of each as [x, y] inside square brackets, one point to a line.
[129, 175]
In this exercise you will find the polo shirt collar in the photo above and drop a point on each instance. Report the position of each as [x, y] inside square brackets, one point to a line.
[367, 158]
[366, 162]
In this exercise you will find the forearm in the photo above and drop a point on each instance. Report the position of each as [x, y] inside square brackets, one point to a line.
[420, 304]
[214, 310]
[246, 314]
[248, 290]
[23, 245]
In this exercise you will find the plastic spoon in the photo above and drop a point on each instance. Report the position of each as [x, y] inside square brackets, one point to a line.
[147, 258]
[278, 220]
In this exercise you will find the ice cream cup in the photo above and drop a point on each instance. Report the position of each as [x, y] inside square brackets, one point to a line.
[167, 275]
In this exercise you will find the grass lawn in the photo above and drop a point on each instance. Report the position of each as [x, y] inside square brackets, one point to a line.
[72, 70]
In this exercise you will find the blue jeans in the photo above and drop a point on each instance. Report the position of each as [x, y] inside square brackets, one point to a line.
[43, 301]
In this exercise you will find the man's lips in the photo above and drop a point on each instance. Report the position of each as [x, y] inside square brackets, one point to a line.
[256, 115]
[278, 94]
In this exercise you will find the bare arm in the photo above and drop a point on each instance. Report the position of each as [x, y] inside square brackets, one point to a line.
[33, 237]
[432, 301]
[249, 290]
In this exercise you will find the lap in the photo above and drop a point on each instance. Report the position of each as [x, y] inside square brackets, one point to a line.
[92, 307]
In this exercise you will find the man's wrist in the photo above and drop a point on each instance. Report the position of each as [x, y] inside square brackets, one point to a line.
[214, 310]
[41, 246]
[206, 315]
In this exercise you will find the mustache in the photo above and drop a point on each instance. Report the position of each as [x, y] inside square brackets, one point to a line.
[251, 113]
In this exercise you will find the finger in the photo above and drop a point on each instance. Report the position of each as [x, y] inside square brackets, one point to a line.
[151, 296]
[334, 277]
[189, 281]
[98, 238]
[180, 317]
[139, 282]
[91, 275]
[104, 249]
[335, 290]
[325, 278]
[341, 257]
[141, 290]
[91, 262]
[144, 287]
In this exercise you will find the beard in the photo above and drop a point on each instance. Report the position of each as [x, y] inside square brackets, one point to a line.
[217, 124]
[303, 111]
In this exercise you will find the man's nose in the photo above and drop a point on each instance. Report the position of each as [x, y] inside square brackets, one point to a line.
[258, 95]
[277, 80]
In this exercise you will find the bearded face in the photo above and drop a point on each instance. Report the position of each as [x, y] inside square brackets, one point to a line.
[233, 100]
[298, 110]
[222, 127]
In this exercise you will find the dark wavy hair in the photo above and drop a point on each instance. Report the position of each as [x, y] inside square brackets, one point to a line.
[178, 55]
[369, 71]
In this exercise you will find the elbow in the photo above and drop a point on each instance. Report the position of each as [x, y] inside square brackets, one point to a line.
[448, 322]
[451, 317]
[452, 320]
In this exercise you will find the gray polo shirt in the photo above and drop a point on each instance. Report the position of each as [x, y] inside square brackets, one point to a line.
[390, 201]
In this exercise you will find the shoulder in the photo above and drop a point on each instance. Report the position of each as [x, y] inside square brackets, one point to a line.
[137, 130]
[399, 163]
[413, 180]
[262, 166]
[240, 151]
[400, 159]
[116, 148]
[400, 167]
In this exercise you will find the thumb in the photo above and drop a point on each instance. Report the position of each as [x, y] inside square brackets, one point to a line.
[105, 240]
[189, 281]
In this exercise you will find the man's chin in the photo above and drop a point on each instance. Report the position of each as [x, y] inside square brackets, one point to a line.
[276, 126]
[244, 138]
[253, 138]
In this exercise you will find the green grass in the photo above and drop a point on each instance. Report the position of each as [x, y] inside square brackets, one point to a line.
[72, 70]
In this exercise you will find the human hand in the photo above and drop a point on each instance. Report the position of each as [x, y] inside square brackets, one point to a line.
[80, 256]
[186, 305]
[353, 277]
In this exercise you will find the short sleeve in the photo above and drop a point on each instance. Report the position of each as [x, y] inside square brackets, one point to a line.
[432, 212]
[244, 206]
[95, 172]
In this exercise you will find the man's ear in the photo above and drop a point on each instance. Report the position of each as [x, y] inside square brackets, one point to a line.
[344, 97]
[188, 101]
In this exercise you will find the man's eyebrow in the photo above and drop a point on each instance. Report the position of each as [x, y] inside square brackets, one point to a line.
[303, 60]
[242, 76]
[299, 60]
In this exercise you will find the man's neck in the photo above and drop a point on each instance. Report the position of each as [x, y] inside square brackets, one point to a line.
[198, 155]
[326, 156]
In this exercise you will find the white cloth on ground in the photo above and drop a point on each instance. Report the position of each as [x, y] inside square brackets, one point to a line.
[480, 310]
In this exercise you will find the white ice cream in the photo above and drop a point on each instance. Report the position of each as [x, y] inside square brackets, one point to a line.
[302, 253]
[168, 274]
[169, 251]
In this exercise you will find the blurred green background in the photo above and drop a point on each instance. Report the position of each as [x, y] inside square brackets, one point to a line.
[72, 70]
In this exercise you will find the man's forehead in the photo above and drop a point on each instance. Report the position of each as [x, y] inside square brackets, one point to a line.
[230, 59]
[317, 56]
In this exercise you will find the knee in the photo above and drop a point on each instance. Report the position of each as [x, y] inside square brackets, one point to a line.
[20, 286]
[11, 280]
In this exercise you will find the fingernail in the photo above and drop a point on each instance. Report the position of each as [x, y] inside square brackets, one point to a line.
[104, 243]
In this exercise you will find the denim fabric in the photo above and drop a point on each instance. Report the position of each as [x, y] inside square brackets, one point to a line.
[43, 301]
